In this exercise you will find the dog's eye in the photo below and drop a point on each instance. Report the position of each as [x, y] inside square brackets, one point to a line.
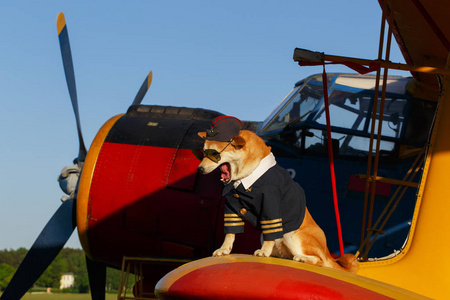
[212, 155]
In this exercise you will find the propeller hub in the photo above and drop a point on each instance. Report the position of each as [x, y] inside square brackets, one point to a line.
[68, 180]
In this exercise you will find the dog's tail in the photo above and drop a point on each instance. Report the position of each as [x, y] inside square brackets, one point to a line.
[348, 262]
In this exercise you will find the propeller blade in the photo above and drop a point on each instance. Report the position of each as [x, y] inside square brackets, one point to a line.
[143, 90]
[70, 78]
[97, 279]
[44, 250]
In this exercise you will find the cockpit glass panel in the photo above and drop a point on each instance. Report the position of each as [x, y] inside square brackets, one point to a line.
[299, 108]
[346, 110]
[350, 111]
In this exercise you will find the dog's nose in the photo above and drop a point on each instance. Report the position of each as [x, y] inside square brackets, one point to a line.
[201, 170]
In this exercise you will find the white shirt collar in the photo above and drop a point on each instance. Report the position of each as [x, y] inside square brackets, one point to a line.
[265, 164]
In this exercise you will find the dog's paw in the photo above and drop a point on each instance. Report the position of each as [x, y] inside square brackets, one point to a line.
[221, 252]
[261, 253]
[299, 258]
[309, 259]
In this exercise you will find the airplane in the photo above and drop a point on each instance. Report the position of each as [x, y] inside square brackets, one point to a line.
[136, 192]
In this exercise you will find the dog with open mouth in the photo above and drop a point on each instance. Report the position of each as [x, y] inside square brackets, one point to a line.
[259, 191]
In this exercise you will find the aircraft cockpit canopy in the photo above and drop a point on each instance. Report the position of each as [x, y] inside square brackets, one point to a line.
[299, 120]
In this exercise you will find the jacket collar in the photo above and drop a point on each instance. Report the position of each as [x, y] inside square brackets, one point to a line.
[265, 164]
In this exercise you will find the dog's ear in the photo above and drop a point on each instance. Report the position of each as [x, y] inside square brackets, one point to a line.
[202, 134]
[238, 142]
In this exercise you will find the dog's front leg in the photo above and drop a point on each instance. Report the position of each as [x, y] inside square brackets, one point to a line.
[266, 249]
[226, 247]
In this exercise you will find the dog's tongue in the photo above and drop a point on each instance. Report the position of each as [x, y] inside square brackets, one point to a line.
[225, 169]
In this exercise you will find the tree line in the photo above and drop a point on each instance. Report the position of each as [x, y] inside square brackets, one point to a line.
[68, 261]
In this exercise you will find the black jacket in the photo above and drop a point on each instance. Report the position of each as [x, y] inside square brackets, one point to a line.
[274, 204]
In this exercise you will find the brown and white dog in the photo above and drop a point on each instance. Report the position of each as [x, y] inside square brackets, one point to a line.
[243, 157]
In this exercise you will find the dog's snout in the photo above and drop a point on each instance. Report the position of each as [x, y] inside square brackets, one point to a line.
[201, 170]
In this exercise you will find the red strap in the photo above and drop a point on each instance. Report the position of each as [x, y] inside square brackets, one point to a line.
[330, 158]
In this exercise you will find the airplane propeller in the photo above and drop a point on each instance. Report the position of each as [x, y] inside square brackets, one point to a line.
[44, 250]
[143, 90]
[70, 78]
[63, 222]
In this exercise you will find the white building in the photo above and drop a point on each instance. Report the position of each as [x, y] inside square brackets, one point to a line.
[67, 281]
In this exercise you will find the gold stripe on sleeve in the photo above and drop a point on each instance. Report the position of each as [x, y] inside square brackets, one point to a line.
[234, 224]
[231, 215]
[272, 231]
[232, 219]
[272, 225]
[271, 221]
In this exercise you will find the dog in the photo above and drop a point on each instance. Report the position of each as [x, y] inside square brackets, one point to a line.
[259, 191]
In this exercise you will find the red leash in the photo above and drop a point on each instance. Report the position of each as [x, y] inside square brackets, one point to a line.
[330, 157]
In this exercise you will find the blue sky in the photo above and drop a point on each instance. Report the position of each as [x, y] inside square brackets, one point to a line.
[231, 56]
